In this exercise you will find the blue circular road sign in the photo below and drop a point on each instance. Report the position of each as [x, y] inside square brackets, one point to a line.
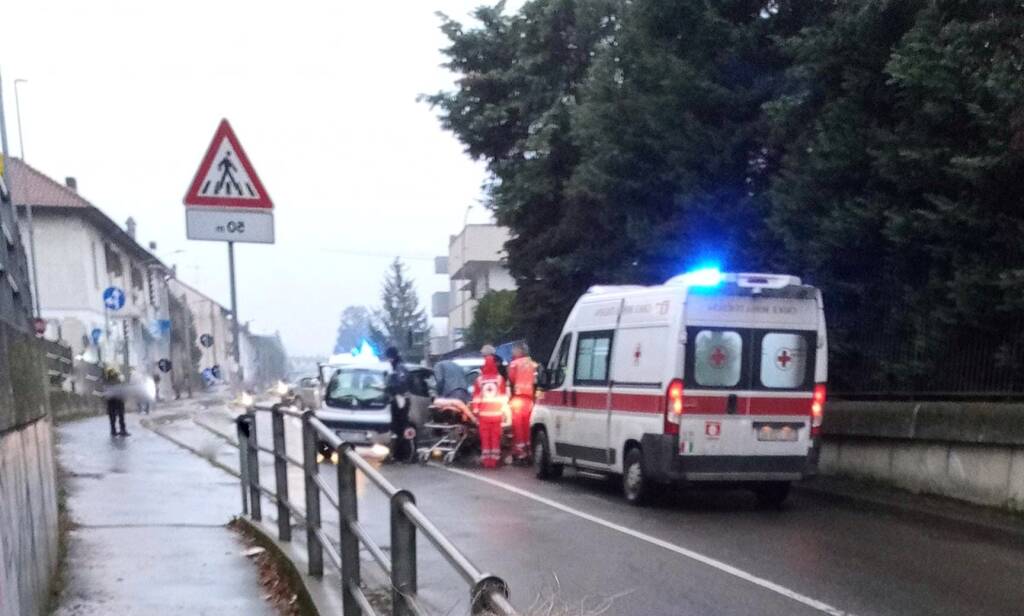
[113, 298]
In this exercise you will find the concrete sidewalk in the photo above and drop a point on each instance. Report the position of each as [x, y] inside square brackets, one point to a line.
[149, 533]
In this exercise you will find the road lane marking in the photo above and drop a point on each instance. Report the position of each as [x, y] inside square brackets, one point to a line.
[701, 558]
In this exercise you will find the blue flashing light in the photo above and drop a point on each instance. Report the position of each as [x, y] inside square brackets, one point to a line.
[704, 277]
[365, 350]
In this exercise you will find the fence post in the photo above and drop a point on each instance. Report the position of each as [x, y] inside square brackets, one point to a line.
[489, 596]
[403, 555]
[314, 550]
[242, 430]
[255, 510]
[284, 514]
[348, 514]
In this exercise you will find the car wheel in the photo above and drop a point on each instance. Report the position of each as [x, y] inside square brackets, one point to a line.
[772, 494]
[542, 457]
[636, 486]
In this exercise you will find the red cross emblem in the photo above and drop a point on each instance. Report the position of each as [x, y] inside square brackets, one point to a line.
[636, 356]
[783, 359]
[718, 357]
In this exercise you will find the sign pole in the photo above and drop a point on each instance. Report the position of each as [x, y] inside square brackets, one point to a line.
[234, 313]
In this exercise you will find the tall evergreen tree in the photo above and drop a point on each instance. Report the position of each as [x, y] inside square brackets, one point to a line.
[900, 148]
[518, 79]
[401, 318]
[873, 147]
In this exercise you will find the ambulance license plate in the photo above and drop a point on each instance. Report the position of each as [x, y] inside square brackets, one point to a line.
[777, 432]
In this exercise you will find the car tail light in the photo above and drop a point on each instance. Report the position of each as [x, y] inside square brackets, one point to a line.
[818, 408]
[673, 406]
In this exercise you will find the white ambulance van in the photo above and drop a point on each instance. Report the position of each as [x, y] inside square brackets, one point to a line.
[709, 378]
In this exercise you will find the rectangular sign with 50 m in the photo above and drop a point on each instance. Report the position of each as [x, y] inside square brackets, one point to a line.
[232, 226]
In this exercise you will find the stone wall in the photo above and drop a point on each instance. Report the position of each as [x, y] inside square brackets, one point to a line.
[28, 481]
[970, 451]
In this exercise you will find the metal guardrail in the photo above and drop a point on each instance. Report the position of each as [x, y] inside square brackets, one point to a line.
[488, 593]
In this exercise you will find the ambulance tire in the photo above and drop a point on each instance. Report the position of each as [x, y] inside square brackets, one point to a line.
[545, 469]
[636, 486]
[771, 494]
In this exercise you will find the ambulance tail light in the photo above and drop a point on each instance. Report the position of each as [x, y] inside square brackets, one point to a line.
[673, 406]
[818, 408]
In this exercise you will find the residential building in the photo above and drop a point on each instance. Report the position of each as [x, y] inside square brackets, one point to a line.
[79, 253]
[475, 266]
[211, 319]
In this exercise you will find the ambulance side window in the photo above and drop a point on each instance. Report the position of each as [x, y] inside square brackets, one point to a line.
[593, 350]
[560, 362]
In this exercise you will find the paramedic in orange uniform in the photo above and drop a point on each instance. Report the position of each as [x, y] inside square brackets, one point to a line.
[489, 397]
[522, 373]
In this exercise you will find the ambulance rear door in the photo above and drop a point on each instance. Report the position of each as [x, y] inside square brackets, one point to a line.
[749, 376]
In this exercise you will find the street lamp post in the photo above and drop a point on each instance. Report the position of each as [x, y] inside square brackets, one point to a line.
[28, 208]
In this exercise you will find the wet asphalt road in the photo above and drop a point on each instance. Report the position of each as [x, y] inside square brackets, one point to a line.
[575, 542]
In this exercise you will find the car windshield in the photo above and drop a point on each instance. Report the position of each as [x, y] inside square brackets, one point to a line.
[360, 385]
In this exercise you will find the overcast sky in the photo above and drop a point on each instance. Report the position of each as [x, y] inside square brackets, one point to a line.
[125, 96]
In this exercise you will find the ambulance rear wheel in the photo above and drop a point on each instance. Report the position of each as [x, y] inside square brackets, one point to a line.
[772, 494]
[542, 457]
[636, 486]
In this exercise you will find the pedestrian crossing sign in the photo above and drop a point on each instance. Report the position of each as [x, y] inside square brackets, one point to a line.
[226, 178]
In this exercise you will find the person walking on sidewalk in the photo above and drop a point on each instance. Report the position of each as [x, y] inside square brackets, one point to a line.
[522, 375]
[489, 398]
[114, 393]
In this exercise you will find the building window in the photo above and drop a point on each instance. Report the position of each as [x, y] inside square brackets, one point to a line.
[138, 281]
[114, 266]
[95, 266]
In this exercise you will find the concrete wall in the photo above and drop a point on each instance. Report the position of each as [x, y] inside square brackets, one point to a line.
[28, 519]
[969, 451]
[28, 489]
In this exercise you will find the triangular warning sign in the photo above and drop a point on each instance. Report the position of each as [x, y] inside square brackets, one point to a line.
[226, 177]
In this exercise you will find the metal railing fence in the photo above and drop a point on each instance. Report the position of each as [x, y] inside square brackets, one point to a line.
[488, 593]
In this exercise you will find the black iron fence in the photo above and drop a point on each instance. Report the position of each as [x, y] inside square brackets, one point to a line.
[934, 362]
[488, 593]
[59, 363]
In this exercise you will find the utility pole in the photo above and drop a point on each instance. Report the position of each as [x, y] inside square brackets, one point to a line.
[28, 210]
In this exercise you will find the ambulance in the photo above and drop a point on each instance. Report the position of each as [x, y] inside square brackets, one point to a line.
[710, 378]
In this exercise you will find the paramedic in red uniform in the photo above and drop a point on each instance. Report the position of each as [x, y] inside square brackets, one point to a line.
[522, 373]
[489, 396]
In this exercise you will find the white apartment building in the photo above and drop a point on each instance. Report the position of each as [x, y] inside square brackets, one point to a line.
[213, 319]
[475, 266]
[78, 253]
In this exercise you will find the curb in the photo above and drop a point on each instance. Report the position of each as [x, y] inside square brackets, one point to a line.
[975, 519]
[310, 603]
[145, 423]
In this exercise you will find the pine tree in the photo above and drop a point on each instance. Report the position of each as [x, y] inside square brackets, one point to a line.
[401, 318]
